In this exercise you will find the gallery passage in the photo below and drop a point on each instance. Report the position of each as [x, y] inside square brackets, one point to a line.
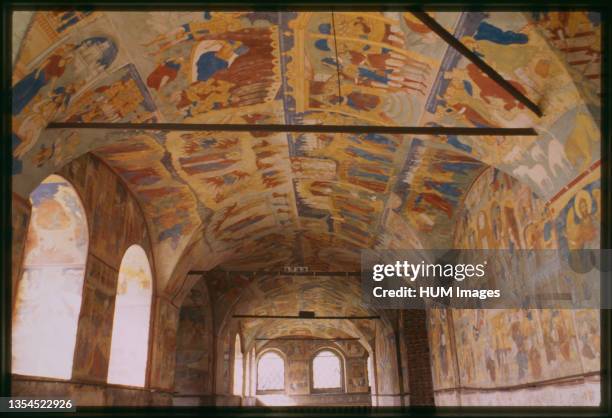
[48, 299]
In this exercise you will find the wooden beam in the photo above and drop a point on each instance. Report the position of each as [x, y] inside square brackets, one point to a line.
[281, 273]
[476, 60]
[307, 339]
[302, 318]
[330, 129]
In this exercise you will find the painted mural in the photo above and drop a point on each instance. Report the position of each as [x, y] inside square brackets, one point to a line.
[463, 96]
[164, 345]
[49, 83]
[441, 349]
[46, 30]
[256, 200]
[115, 222]
[208, 65]
[120, 97]
[48, 298]
[374, 67]
[430, 188]
[194, 345]
[95, 323]
[577, 36]
[517, 346]
[312, 199]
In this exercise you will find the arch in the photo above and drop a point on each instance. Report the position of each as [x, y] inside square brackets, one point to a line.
[130, 338]
[238, 367]
[327, 371]
[270, 372]
[48, 299]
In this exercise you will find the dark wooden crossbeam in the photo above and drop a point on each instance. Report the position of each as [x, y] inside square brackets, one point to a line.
[281, 273]
[303, 317]
[476, 60]
[330, 129]
[307, 339]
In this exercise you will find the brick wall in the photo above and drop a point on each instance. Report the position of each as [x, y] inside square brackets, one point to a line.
[417, 366]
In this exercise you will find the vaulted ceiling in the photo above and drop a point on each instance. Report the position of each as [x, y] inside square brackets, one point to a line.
[265, 200]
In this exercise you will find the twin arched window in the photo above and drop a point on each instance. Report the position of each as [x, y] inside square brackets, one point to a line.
[327, 372]
[49, 293]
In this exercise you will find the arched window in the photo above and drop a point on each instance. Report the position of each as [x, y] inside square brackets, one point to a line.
[327, 371]
[130, 340]
[48, 300]
[238, 367]
[270, 372]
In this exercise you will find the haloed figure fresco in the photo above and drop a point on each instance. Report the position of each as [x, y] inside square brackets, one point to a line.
[130, 246]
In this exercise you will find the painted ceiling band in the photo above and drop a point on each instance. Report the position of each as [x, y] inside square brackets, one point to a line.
[475, 59]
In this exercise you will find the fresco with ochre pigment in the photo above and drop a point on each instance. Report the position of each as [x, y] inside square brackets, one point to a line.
[577, 36]
[51, 71]
[266, 200]
[463, 96]
[114, 221]
[311, 198]
[239, 294]
[511, 347]
[194, 344]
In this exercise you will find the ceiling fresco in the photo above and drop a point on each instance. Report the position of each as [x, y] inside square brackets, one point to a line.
[265, 200]
[236, 294]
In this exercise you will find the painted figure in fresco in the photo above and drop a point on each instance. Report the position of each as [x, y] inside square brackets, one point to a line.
[47, 73]
[206, 91]
[582, 224]
[164, 73]
[496, 223]
[100, 49]
[211, 56]
[86, 60]
[41, 112]
[186, 32]
[567, 24]
[195, 30]
[387, 69]
[521, 357]
[490, 89]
